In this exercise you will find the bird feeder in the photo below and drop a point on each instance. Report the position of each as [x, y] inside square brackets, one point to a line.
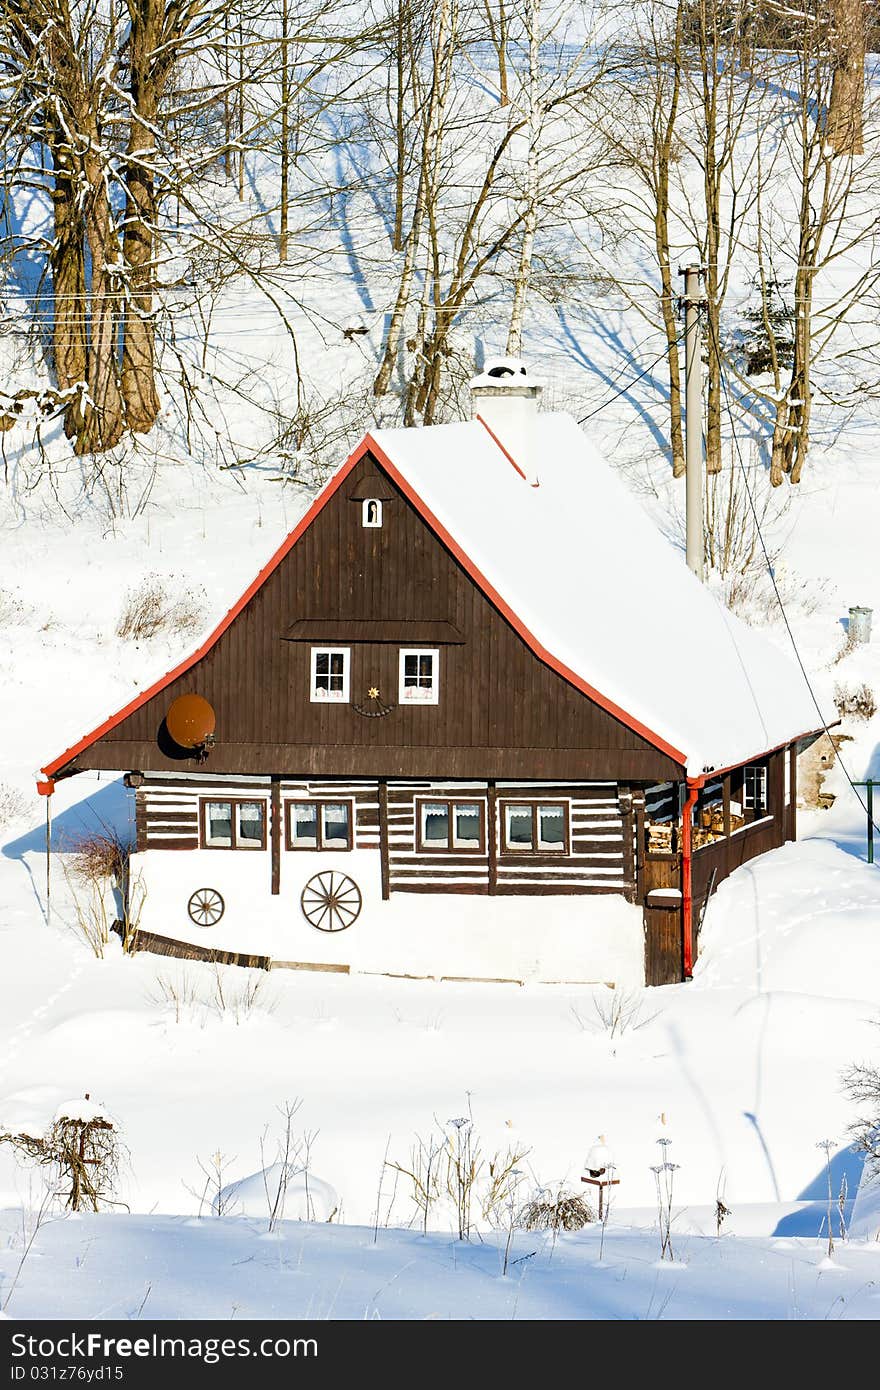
[599, 1164]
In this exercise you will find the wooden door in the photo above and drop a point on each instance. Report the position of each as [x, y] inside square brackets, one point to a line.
[664, 954]
[663, 945]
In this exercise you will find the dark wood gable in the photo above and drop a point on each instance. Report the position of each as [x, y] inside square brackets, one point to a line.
[502, 711]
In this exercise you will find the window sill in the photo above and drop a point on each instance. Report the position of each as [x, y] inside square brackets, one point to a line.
[526, 854]
[445, 849]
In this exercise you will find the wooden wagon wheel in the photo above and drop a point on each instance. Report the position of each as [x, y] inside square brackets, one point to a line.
[206, 907]
[331, 901]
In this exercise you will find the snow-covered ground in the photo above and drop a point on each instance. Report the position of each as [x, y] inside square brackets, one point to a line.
[155, 1267]
[743, 1066]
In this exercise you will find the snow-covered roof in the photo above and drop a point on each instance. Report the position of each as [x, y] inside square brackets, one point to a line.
[589, 575]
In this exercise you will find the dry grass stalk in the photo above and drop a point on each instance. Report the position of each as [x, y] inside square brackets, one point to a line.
[159, 604]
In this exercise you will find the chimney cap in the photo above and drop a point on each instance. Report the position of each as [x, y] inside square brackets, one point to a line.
[501, 372]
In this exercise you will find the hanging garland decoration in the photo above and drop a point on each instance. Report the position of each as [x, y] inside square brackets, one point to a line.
[375, 709]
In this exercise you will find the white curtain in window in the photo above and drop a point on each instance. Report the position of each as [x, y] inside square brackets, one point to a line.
[336, 822]
[435, 824]
[519, 826]
[305, 826]
[467, 826]
[220, 822]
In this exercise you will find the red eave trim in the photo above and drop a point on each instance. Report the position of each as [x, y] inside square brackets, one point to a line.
[369, 446]
[764, 753]
[290, 541]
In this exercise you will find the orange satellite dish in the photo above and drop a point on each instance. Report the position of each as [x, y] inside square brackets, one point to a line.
[190, 721]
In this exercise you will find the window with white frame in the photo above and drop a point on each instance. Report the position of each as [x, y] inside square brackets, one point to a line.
[371, 512]
[331, 668]
[755, 788]
[419, 676]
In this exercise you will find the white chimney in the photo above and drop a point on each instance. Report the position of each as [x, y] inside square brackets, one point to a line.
[506, 400]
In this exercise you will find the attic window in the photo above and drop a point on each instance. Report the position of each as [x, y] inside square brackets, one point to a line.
[371, 513]
[330, 674]
[419, 676]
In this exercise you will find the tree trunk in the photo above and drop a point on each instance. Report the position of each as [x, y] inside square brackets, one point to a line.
[139, 237]
[285, 134]
[671, 329]
[498, 39]
[504, 96]
[104, 416]
[530, 222]
[844, 122]
[399, 125]
[67, 261]
[239, 108]
[395, 327]
[139, 338]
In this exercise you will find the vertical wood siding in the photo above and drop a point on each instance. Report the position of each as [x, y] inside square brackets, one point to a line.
[501, 713]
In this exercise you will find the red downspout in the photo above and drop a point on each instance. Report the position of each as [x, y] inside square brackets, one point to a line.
[687, 876]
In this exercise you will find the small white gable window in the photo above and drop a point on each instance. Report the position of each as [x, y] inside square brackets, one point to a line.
[371, 513]
[330, 680]
[419, 676]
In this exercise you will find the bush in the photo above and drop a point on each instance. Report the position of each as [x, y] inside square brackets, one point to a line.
[98, 863]
[13, 804]
[857, 701]
[82, 1149]
[159, 604]
[567, 1212]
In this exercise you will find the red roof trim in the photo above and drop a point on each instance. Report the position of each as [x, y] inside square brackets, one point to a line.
[369, 445]
[765, 752]
[320, 501]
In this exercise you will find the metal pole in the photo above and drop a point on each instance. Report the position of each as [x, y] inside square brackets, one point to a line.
[48, 860]
[870, 800]
[693, 419]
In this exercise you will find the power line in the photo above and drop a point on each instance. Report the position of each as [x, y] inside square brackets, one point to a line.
[626, 386]
[723, 377]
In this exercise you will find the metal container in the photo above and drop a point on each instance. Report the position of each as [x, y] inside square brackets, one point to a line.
[859, 629]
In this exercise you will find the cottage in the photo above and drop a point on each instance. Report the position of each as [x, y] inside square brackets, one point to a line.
[474, 672]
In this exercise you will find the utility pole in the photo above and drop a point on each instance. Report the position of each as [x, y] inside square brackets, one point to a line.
[693, 418]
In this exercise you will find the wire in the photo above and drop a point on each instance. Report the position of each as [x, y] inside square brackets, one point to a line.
[626, 386]
[723, 378]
